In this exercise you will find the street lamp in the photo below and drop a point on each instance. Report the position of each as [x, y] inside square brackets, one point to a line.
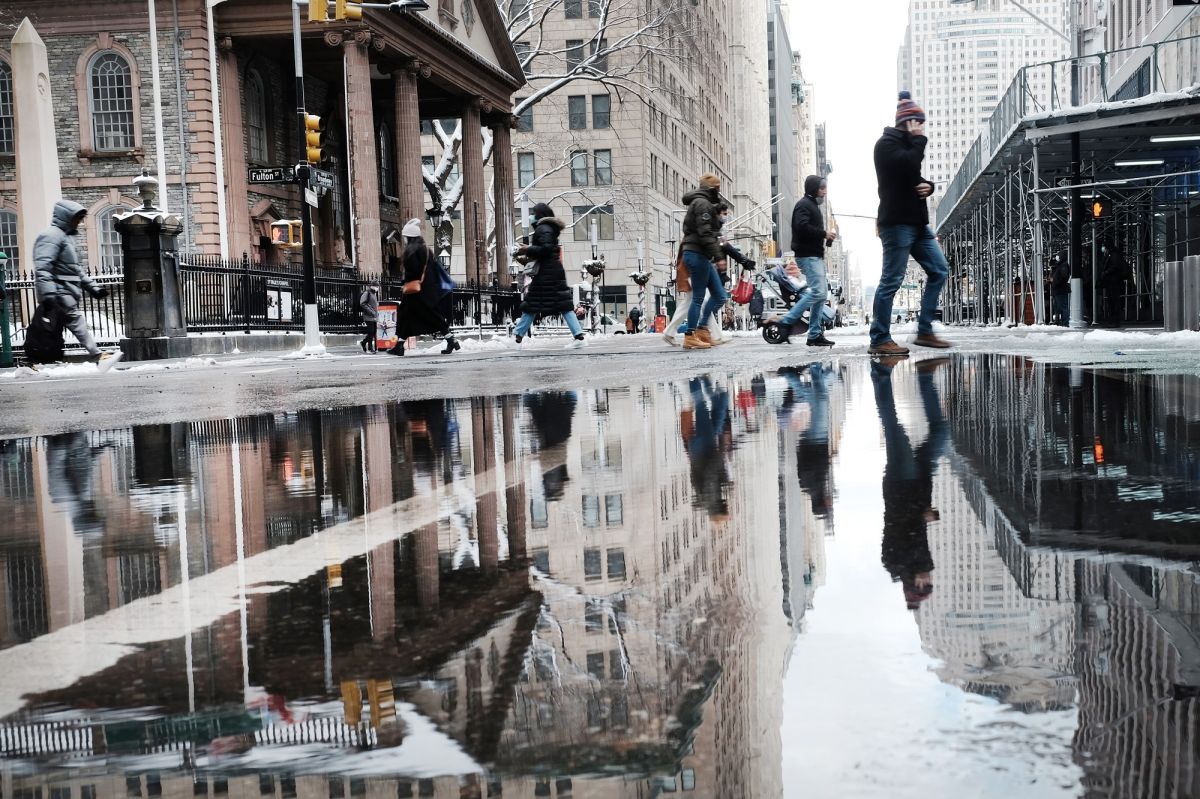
[6, 356]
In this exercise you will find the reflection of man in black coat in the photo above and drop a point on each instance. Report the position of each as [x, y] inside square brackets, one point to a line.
[908, 482]
[551, 413]
[813, 461]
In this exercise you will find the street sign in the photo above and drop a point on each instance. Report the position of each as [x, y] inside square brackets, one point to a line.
[271, 174]
[310, 197]
[320, 178]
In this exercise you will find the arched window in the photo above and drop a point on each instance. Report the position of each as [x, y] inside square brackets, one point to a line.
[6, 110]
[108, 240]
[387, 168]
[8, 239]
[110, 95]
[256, 117]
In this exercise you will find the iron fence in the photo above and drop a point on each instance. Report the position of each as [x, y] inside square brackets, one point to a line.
[106, 317]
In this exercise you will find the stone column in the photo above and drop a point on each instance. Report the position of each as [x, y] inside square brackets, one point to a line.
[473, 199]
[39, 185]
[410, 188]
[237, 207]
[502, 168]
[362, 153]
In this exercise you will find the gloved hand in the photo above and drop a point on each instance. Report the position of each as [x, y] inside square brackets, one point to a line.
[748, 263]
[101, 293]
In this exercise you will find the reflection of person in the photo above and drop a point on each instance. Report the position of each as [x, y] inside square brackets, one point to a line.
[908, 481]
[70, 467]
[550, 413]
[813, 459]
[703, 434]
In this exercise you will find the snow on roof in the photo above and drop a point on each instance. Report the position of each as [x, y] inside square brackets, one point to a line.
[1190, 93]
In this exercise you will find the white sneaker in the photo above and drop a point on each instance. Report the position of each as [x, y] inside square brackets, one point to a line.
[108, 360]
[576, 344]
[670, 339]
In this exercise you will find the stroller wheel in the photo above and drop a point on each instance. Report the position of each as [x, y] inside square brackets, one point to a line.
[772, 333]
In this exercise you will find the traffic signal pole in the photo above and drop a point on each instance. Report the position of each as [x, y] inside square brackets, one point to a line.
[312, 327]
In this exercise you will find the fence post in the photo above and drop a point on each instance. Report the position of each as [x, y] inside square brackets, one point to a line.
[6, 353]
[246, 291]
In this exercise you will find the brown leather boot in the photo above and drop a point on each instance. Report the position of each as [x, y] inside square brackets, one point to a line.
[930, 340]
[692, 341]
[888, 348]
[704, 336]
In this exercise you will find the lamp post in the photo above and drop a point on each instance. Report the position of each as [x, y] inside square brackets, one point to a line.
[6, 355]
[594, 266]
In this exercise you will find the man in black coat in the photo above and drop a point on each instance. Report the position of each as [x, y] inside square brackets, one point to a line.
[1060, 288]
[809, 240]
[904, 228]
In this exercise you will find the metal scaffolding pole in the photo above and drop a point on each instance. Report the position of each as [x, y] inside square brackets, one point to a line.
[991, 282]
[1009, 315]
[1038, 254]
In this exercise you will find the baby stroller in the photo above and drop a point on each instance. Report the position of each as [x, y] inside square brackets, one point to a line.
[780, 292]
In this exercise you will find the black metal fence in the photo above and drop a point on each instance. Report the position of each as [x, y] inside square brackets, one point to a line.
[241, 295]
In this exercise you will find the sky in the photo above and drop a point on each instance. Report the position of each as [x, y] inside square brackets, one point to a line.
[848, 52]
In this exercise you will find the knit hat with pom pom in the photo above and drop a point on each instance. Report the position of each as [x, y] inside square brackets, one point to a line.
[907, 109]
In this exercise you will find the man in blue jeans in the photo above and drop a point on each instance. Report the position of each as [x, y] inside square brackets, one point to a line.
[701, 249]
[809, 240]
[904, 228]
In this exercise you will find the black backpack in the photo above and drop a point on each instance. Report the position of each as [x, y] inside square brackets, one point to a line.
[44, 336]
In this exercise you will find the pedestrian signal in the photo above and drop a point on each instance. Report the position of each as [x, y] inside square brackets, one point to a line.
[312, 139]
[345, 11]
[1099, 209]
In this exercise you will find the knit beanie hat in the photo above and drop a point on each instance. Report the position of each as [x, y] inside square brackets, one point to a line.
[412, 229]
[907, 109]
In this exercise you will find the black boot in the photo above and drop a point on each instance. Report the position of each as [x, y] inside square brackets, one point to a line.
[451, 345]
[398, 349]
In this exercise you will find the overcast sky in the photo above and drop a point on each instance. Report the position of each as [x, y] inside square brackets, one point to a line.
[848, 52]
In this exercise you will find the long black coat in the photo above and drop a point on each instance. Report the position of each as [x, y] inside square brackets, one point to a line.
[419, 313]
[549, 293]
[898, 157]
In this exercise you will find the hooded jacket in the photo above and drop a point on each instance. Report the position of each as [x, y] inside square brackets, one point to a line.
[808, 223]
[60, 276]
[548, 293]
[1060, 278]
[701, 225]
[898, 157]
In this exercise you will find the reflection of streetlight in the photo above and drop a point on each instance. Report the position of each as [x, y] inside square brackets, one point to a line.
[6, 357]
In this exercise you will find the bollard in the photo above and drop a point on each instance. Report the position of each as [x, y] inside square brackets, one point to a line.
[1173, 296]
[1191, 292]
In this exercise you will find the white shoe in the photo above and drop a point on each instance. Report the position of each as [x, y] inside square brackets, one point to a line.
[670, 339]
[108, 360]
[576, 344]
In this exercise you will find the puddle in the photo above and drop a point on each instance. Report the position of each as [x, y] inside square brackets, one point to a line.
[970, 576]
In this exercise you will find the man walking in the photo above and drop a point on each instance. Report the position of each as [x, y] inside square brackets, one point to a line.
[809, 240]
[701, 249]
[1060, 288]
[904, 228]
[61, 279]
[368, 308]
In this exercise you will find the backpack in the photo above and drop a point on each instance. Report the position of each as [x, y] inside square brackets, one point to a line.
[44, 336]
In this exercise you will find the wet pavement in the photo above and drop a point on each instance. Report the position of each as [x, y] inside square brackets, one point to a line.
[971, 576]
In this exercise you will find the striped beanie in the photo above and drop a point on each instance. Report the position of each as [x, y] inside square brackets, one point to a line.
[907, 109]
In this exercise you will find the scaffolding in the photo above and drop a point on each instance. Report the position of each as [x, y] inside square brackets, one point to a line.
[1007, 211]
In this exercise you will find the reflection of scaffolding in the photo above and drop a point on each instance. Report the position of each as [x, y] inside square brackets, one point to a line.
[1008, 208]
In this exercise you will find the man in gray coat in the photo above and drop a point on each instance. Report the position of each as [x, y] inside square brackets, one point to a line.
[60, 276]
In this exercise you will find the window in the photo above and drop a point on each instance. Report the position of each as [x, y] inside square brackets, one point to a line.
[110, 94]
[591, 511]
[517, 8]
[591, 565]
[614, 510]
[583, 222]
[109, 240]
[525, 170]
[579, 169]
[601, 106]
[688, 778]
[539, 515]
[577, 112]
[594, 8]
[256, 117]
[525, 118]
[573, 9]
[601, 63]
[522, 50]
[8, 238]
[603, 165]
[387, 167]
[574, 53]
[616, 564]
[7, 145]
[595, 664]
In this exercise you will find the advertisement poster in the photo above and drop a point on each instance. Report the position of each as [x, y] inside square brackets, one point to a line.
[385, 325]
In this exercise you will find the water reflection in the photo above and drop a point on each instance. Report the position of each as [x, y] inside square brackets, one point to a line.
[600, 592]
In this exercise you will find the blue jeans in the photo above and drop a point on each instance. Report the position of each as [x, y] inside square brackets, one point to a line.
[814, 296]
[1062, 303]
[703, 277]
[526, 322]
[899, 242]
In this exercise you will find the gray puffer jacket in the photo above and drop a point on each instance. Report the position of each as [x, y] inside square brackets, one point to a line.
[59, 273]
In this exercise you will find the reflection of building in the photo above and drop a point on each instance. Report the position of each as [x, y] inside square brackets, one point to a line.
[382, 553]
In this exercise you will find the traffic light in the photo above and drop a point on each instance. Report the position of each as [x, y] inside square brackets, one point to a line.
[312, 139]
[318, 11]
[344, 10]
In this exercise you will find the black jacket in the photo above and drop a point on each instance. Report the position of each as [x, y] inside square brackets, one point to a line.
[1060, 278]
[898, 157]
[549, 293]
[808, 223]
[701, 225]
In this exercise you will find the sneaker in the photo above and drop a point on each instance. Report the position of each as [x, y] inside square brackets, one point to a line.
[108, 360]
[888, 347]
[670, 339]
[579, 343]
[692, 341]
[716, 342]
[518, 339]
[930, 340]
[819, 341]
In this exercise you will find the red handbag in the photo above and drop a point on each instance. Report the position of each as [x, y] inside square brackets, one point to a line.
[743, 292]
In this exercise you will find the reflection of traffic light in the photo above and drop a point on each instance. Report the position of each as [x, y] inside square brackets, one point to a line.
[344, 11]
[381, 696]
[312, 139]
[318, 11]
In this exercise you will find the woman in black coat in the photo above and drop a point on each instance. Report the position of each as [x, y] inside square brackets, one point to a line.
[548, 294]
[418, 314]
